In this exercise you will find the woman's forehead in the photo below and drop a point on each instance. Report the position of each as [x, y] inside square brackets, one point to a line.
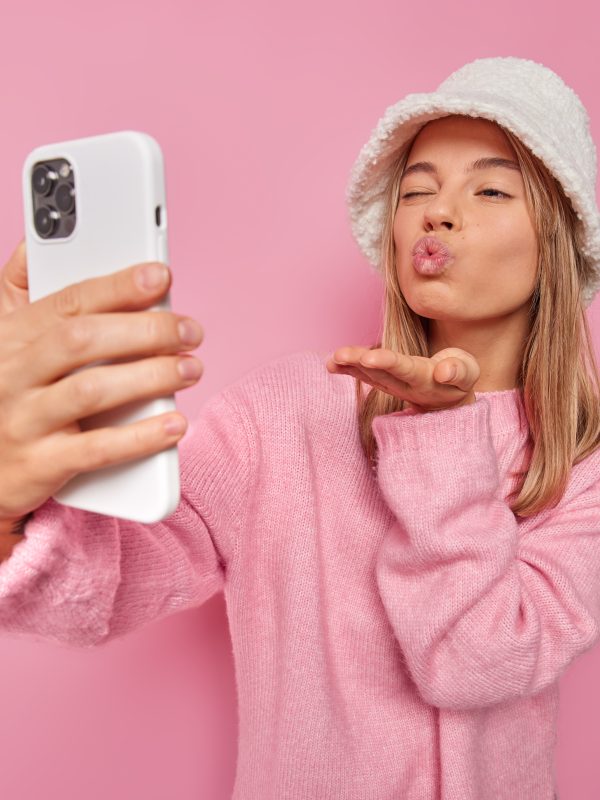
[461, 121]
[472, 132]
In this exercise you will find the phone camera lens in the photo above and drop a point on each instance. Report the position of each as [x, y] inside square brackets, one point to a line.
[45, 220]
[43, 180]
[64, 198]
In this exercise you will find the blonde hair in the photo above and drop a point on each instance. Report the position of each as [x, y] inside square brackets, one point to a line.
[558, 372]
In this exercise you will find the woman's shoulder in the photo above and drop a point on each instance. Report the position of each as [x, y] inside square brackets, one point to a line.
[295, 384]
[285, 364]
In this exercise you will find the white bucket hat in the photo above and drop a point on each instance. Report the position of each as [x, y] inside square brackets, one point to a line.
[528, 99]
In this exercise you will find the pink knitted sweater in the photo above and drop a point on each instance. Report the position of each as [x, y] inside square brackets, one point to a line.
[398, 634]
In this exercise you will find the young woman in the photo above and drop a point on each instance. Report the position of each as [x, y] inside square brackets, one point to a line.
[410, 557]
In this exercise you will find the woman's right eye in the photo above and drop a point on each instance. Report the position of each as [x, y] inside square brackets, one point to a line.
[411, 194]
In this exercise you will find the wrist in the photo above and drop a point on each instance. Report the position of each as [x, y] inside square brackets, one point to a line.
[15, 525]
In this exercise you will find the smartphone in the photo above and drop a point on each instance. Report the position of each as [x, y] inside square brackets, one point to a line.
[93, 206]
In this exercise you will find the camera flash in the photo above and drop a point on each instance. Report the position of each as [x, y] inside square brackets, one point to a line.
[65, 170]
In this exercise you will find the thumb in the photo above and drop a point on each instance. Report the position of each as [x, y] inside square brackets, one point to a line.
[460, 372]
[14, 285]
[15, 269]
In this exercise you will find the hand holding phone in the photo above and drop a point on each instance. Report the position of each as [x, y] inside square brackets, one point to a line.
[93, 205]
[43, 393]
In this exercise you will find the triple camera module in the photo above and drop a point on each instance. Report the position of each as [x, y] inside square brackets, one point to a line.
[53, 189]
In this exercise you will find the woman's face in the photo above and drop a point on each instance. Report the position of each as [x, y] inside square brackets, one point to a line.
[480, 214]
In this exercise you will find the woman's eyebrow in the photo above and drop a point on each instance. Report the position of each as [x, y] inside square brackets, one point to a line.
[480, 163]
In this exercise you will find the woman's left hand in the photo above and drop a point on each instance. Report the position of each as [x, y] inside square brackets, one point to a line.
[424, 383]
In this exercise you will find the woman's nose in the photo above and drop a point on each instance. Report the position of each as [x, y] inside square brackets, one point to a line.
[440, 211]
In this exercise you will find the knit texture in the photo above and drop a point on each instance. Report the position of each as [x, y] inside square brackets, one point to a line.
[397, 631]
[528, 99]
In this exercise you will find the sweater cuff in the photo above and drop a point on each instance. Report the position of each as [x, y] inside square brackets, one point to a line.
[417, 431]
[441, 459]
[35, 553]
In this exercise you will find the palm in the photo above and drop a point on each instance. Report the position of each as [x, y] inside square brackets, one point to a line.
[419, 380]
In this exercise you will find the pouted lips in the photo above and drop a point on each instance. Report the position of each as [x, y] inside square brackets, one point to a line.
[430, 256]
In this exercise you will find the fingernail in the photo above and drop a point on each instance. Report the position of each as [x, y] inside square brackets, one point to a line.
[452, 374]
[175, 425]
[189, 331]
[339, 360]
[151, 276]
[189, 368]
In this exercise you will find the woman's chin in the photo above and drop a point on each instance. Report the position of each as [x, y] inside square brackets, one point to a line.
[430, 301]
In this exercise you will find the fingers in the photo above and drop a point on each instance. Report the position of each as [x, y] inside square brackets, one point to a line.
[415, 379]
[347, 360]
[14, 287]
[460, 372]
[358, 354]
[78, 342]
[348, 369]
[15, 269]
[389, 369]
[394, 373]
[50, 377]
[103, 447]
[385, 363]
[101, 388]
[446, 371]
[380, 368]
[125, 290]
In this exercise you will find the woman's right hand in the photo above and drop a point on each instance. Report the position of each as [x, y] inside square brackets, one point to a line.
[41, 443]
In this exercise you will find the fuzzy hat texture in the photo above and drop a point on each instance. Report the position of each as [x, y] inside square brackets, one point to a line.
[528, 99]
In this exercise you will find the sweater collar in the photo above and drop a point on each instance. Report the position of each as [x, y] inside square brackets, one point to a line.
[507, 409]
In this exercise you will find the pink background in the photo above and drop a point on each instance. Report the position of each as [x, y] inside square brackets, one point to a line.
[261, 109]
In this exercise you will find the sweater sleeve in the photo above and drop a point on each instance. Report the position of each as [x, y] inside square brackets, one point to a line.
[80, 578]
[483, 612]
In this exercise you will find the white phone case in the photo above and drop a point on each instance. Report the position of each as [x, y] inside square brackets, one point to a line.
[119, 191]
